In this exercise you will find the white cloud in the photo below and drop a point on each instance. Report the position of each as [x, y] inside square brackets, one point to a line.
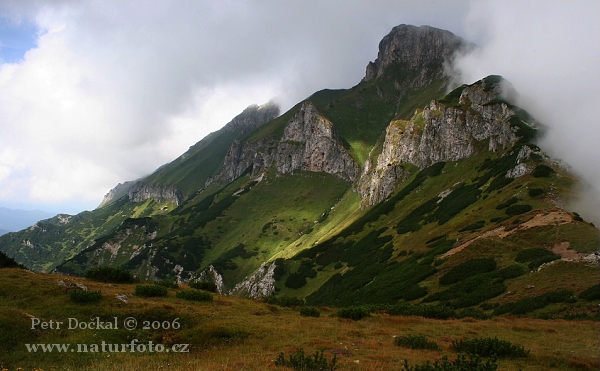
[115, 89]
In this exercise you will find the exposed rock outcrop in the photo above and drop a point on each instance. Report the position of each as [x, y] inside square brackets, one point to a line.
[260, 284]
[210, 274]
[442, 132]
[423, 49]
[309, 142]
[137, 191]
[140, 192]
[117, 192]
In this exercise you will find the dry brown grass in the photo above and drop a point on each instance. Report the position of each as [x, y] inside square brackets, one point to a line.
[362, 345]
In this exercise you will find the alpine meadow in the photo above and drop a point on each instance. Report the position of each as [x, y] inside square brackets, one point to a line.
[404, 223]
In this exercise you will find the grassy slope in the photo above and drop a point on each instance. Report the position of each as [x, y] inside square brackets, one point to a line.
[55, 241]
[405, 255]
[284, 209]
[362, 113]
[235, 333]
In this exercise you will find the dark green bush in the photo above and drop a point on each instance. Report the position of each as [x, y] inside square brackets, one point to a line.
[204, 285]
[532, 303]
[542, 171]
[471, 227]
[534, 192]
[84, 297]
[310, 312]
[295, 281]
[109, 275]
[490, 347]
[461, 363]
[284, 301]
[577, 217]
[416, 342]
[167, 283]
[147, 291]
[517, 209]
[436, 311]
[414, 293]
[499, 182]
[591, 293]
[536, 256]
[507, 203]
[467, 269]
[355, 312]
[301, 362]
[194, 295]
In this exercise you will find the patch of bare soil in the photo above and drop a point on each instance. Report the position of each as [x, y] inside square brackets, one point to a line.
[556, 217]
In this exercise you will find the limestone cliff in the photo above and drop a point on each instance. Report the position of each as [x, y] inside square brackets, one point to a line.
[423, 49]
[258, 285]
[480, 120]
[309, 142]
[140, 192]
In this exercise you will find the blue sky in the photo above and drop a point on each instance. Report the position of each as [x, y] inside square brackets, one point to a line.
[16, 39]
[110, 90]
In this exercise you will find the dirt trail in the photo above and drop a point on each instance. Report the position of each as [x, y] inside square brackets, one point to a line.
[556, 217]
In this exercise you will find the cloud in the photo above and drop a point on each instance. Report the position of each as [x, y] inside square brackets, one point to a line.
[550, 52]
[114, 89]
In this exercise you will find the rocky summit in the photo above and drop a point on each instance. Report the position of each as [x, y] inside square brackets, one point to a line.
[401, 190]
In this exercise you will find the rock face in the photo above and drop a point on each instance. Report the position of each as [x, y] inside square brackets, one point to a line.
[260, 284]
[117, 192]
[442, 132]
[421, 49]
[140, 192]
[210, 274]
[309, 142]
[253, 117]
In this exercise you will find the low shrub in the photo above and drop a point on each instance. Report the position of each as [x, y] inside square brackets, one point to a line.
[436, 311]
[355, 312]
[301, 362]
[168, 284]
[536, 256]
[542, 171]
[490, 347]
[462, 362]
[194, 295]
[591, 293]
[517, 209]
[85, 297]
[532, 303]
[534, 192]
[467, 269]
[151, 290]
[507, 203]
[204, 285]
[310, 312]
[109, 275]
[416, 342]
[471, 227]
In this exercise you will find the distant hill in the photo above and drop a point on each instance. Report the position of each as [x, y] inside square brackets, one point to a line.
[16, 220]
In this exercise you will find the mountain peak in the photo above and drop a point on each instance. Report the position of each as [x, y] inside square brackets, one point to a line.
[417, 48]
[254, 116]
